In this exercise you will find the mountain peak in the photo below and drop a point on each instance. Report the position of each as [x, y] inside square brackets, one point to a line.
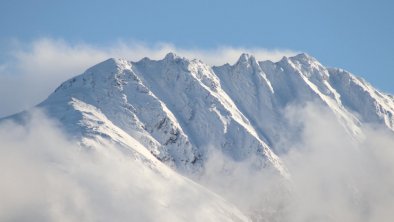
[171, 56]
[109, 64]
[303, 57]
[245, 58]
[107, 68]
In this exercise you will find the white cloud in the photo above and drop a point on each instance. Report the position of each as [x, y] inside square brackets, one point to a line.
[34, 71]
[332, 177]
[46, 177]
[337, 178]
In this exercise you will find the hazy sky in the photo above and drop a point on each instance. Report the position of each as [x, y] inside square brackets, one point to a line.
[356, 35]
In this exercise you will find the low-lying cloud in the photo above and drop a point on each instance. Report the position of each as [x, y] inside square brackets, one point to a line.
[333, 177]
[336, 178]
[33, 70]
[46, 177]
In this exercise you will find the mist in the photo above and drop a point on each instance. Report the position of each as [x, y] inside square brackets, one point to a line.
[45, 176]
[333, 176]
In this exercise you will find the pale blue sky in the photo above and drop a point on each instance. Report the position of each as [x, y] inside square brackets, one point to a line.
[353, 34]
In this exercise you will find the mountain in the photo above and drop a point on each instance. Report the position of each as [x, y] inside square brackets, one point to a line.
[178, 111]
[175, 107]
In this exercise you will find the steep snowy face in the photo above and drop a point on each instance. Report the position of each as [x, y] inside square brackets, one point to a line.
[360, 97]
[174, 107]
[315, 78]
[118, 93]
[309, 67]
[306, 77]
[263, 91]
[248, 86]
[203, 109]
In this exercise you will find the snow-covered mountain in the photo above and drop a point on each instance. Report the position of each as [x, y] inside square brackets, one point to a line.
[178, 111]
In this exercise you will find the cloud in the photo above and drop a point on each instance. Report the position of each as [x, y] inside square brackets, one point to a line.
[333, 177]
[259, 193]
[33, 70]
[336, 178]
[46, 177]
